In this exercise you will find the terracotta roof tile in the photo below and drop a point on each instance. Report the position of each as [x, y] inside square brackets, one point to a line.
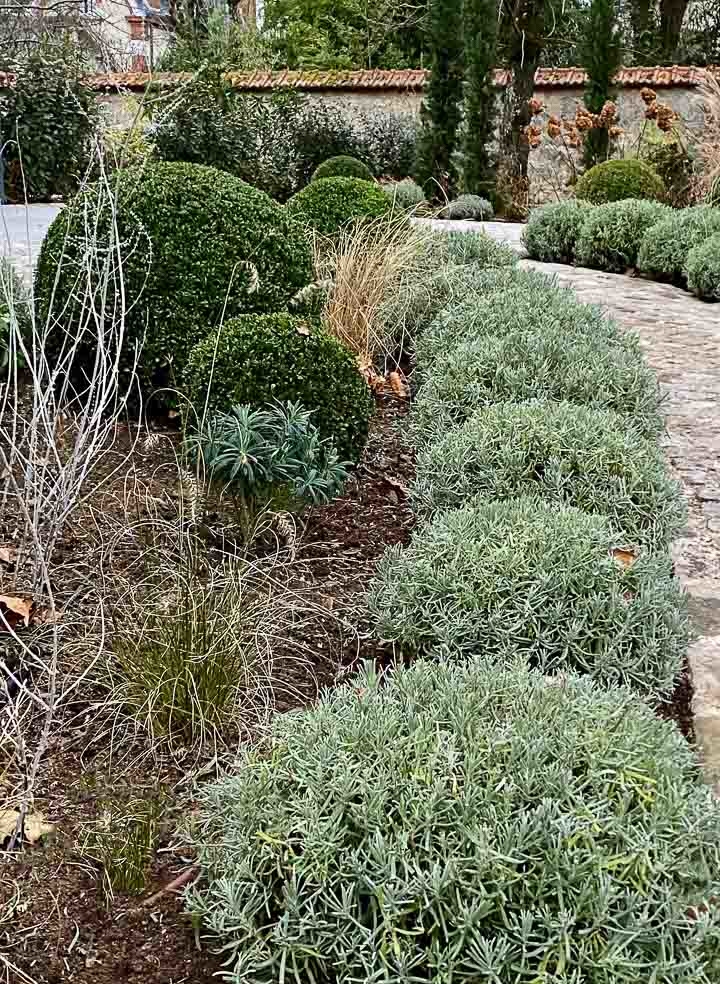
[400, 80]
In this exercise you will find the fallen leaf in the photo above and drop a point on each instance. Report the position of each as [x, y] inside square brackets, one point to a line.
[47, 617]
[34, 828]
[8, 555]
[173, 414]
[14, 610]
[302, 330]
[398, 385]
[625, 558]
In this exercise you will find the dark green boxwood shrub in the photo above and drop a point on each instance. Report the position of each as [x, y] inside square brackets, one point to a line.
[665, 246]
[256, 359]
[471, 207]
[524, 365]
[459, 823]
[197, 245]
[563, 453]
[538, 581]
[703, 269]
[328, 204]
[343, 167]
[611, 235]
[552, 230]
[524, 303]
[611, 181]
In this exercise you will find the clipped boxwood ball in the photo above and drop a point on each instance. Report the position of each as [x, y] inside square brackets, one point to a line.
[665, 246]
[328, 204]
[537, 581]
[197, 245]
[561, 452]
[256, 359]
[463, 824]
[342, 166]
[612, 181]
[552, 230]
[703, 269]
[611, 234]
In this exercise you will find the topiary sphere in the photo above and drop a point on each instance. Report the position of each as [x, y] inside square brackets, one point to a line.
[552, 230]
[197, 245]
[463, 824]
[612, 181]
[537, 581]
[328, 204]
[703, 269]
[611, 234]
[256, 359]
[343, 166]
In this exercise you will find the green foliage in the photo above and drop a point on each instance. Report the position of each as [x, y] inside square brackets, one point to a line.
[441, 109]
[600, 53]
[47, 122]
[468, 824]
[15, 312]
[126, 147]
[263, 457]
[465, 248]
[536, 581]
[665, 247]
[552, 230]
[703, 269]
[610, 237]
[563, 453]
[405, 194]
[329, 204]
[611, 181]
[524, 364]
[480, 32]
[255, 359]
[468, 207]
[197, 245]
[343, 167]
[671, 160]
[122, 843]
[527, 302]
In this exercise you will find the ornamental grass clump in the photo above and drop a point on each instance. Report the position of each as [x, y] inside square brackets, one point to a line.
[552, 230]
[561, 452]
[528, 302]
[466, 824]
[611, 234]
[664, 249]
[524, 365]
[537, 581]
[703, 269]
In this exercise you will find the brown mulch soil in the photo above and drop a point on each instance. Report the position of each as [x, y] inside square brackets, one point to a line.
[55, 924]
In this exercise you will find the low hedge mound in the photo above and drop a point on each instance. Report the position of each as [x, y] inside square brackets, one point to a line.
[524, 365]
[342, 166]
[405, 194]
[564, 453]
[611, 235]
[533, 580]
[463, 824]
[197, 245]
[258, 359]
[477, 248]
[328, 204]
[468, 207]
[665, 246]
[703, 269]
[552, 231]
[611, 181]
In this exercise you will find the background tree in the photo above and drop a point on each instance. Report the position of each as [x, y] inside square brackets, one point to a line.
[600, 55]
[480, 30]
[440, 113]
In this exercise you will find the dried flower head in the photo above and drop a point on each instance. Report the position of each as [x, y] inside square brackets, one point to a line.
[651, 111]
[615, 132]
[608, 114]
[648, 96]
[666, 117]
[553, 130]
[534, 135]
[585, 120]
[536, 106]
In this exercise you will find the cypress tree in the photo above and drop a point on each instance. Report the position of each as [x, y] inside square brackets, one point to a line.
[441, 109]
[600, 54]
[480, 28]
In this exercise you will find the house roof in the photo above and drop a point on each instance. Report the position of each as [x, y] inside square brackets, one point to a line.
[406, 80]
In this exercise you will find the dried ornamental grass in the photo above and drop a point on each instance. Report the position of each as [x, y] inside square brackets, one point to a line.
[531, 580]
[564, 453]
[524, 365]
[455, 823]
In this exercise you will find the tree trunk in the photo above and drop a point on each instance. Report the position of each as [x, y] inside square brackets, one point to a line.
[672, 14]
[523, 26]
